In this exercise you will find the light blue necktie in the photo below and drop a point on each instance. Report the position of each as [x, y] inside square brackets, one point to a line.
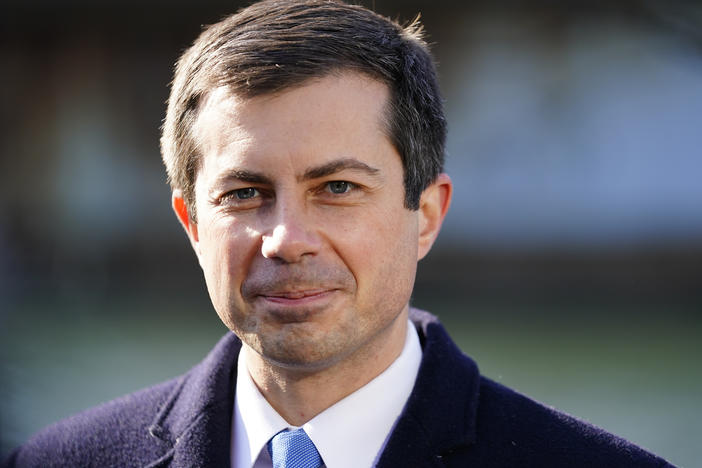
[293, 449]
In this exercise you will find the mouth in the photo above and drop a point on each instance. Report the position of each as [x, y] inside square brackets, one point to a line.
[298, 306]
[296, 297]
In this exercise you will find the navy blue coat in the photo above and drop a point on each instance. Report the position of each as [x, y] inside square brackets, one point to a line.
[453, 418]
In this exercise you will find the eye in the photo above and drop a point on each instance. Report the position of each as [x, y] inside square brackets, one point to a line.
[339, 186]
[245, 193]
[239, 196]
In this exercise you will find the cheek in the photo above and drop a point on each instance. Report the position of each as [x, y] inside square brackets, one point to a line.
[228, 249]
[382, 252]
[399, 253]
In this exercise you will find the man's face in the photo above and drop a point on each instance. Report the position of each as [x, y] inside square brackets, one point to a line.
[308, 252]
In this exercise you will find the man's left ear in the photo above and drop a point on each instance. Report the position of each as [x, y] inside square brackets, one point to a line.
[433, 205]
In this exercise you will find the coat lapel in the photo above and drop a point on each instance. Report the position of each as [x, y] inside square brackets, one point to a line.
[440, 414]
[196, 420]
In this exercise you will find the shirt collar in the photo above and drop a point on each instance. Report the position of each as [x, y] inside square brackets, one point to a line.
[255, 420]
[349, 434]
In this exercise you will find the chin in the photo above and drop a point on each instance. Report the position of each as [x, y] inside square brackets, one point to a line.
[304, 352]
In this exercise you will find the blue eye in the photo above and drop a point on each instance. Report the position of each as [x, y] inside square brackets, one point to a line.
[339, 186]
[245, 193]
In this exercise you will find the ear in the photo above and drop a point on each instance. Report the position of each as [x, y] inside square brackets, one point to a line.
[433, 205]
[181, 210]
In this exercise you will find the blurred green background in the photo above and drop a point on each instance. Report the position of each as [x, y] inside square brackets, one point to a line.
[570, 266]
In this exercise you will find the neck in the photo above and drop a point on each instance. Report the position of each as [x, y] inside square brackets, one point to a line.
[299, 394]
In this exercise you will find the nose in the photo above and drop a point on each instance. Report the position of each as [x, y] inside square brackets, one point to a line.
[290, 239]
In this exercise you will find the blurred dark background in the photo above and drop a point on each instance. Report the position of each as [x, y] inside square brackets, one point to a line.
[570, 265]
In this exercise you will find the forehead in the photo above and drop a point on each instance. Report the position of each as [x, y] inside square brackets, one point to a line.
[339, 115]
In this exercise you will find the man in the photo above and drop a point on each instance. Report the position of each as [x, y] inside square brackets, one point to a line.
[304, 145]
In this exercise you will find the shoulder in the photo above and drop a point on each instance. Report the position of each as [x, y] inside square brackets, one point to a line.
[115, 433]
[528, 433]
[148, 426]
[470, 420]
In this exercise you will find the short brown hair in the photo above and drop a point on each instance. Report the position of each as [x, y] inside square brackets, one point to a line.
[274, 44]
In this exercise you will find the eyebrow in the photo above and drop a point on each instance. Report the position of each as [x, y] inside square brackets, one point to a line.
[245, 176]
[338, 165]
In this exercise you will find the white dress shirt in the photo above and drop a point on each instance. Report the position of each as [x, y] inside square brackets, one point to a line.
[349, 434]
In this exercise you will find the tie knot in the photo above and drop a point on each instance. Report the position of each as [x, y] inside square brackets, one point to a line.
[293, 449]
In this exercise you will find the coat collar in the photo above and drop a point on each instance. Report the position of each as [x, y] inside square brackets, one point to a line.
[440, 415]
[195, 421]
